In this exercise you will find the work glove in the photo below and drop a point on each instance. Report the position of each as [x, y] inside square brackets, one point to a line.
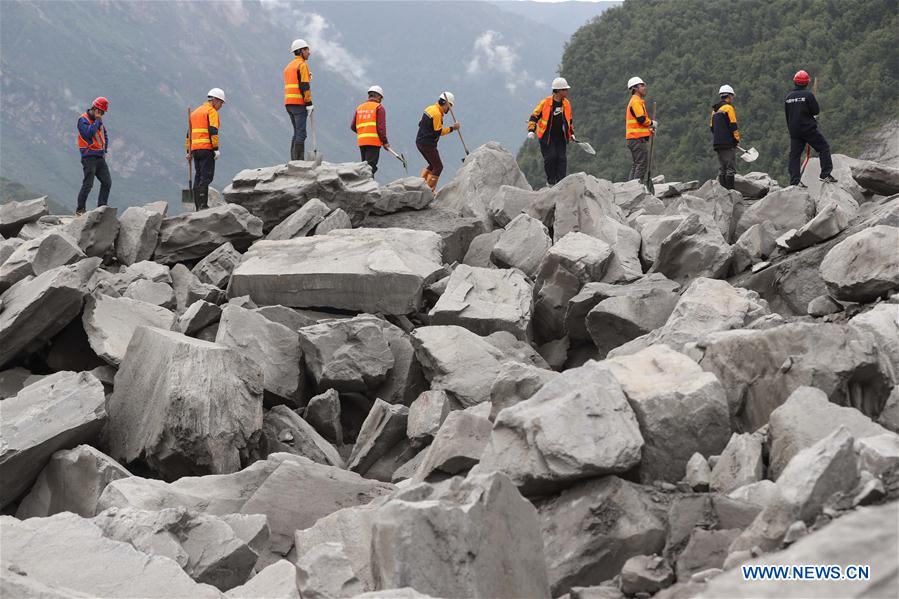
[189, 157]
[532, 135]
[309, 109]
[655, 125]
[217, 154]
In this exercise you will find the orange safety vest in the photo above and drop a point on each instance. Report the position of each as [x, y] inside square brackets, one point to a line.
[200, 121]
[367, 124]
[98, 143]
[543, 123]
[294, 74]
[633, 129]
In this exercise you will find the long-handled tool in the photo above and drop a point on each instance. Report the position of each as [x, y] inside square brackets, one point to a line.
[652, 138]
[187, 195]
[316, 158]
[459, 131]
[585, 146]
[401, 158]
[750, 155]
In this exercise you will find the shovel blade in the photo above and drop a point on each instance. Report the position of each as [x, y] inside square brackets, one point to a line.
[750, 155]
[587, 148]
[187, 196]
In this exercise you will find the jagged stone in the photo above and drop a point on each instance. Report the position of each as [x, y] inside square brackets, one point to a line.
[522, 244]
[215, 269]
[834, 358]
[842, 171]
[706, 306]
[578, 425]
[481, 248]
[273, 347]
[274, 193]
[13, 215]
[712, 203]
[473, 537]
[783, 209]
[138, 234]
[645, 574]
[110, 323]
[804, 419]
[629, 195]
[337, 219]
[426, 415]
[198, 316]
[876, 178]
[754, 185]
[616, 520]
[653, 231]
[485, 301]
[37, 256]
[510, 201]
[63, 552]
[485, 170]
[740, 464]
[8, 246]
[458, 444]
[216, 416]
[276, 581]
[756, 244]
[44, 225]
[204, 546]
[286, 432]
[72, 481]
[515, 383]
[705, 549]
[864, 265]
[196, 234]
[14, 380]
[695, 249]
[882, 322]
[879, 454]
[260, 488]
[455, 231]
[289, 317]
[384, 427]
[58, 412]
[34, 310]
[365, 270]
[325, 572]
[661, 386]
[824, 305]
[151, 292]
[835, 209]
[323, 413]
[761, 493]
[698, 474]
[301, 222]
[463, 364]
[95, 231]
[623, 317]
[409, 193]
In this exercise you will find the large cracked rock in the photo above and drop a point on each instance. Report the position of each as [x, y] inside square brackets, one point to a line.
[457, 232]
[875, 177]
[364, 270]
[13, 215]
[138, 233]
[695, 249]
[409, 193]
[201, 407]
[476, 537]
[110, 323]
[286, 432]
[273, 193]
[578, 425]
[37, 256]
[301, 222]
[622, 318]
[95, 231]
[216, 268]
[835, 209]
[522, 244]
[864, 265]
[58, 412]
[784, 209]
[195, 234]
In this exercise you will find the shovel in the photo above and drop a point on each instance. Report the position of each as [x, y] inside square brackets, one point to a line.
[459, 131]
[649, 185]
[316, 158]
[401, 158]
[585, 146]
[187, 195]
[750, 155]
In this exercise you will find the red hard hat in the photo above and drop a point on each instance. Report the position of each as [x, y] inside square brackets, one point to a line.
[801, 78]
[103, 104]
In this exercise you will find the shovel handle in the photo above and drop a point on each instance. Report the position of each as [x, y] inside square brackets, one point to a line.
[459, 131]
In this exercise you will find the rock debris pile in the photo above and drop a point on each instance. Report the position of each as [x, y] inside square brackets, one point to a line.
[323, 388]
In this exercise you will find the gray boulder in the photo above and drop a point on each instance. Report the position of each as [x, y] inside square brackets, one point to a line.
[876, 178]
[510, 201]
[835, 210]
[95, 231]
[286, 432]
[522, 244]
[138, 234]
[481, 248]
[646, 574]
[842, 171]
[426, 415]
[365, 270]
[882, 323]
[515, 383]
[152, 292]
[455, 231]
[274, 193]
[13, 215]
[409, 193]
[756, 244]
[323, 414]
[653, 231]
[276, 581]
[754, 185]
[198, 316]
[458, 444]
[216, 416]
[58, 412]
[301, 222]
[384, 427]
[864, 265]
[740, 464]
[110, 323]
[37, 256]
[712, 203]
[337, 219]
[784, 209]
[695, 249]
[215, 269]
[325, 572]
[195, 234]
[622, 318]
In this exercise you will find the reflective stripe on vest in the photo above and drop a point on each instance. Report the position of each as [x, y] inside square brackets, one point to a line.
[199, 128]
[292, 93]
[544, 116]
[98, 142]
[367, 125]
[632, 128]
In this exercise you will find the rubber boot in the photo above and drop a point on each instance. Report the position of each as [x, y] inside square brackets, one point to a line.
[425, 173]
[722, 179]
[432, 182]
[294, 152]
[201, 200]
[301, 151]
[729, 181]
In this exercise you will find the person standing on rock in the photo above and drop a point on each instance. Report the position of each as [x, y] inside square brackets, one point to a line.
[801, 108]
[430, 130]
[551, 123]
[638, 128]
[370, 126]
[202, 144]
[298, 96]
[725, 136]
[93, 143]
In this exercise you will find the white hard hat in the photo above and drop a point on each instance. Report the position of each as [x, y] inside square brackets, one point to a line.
[726, 89]
[449, 97]
[634, 81]
[560, 83]
[216, 92]
[298, 44]
[377, 90]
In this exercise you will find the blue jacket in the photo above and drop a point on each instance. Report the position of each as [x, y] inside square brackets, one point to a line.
[87, 129]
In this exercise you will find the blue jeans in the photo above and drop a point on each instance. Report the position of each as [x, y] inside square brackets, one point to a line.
[298, 115]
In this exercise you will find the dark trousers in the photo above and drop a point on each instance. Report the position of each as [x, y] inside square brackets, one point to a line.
[819, 144]
[432, 156]
[640, 156]
[298, 116]
[727, 166]
[204, 171]
[371, 155]
[94, 166]
[555, 160]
